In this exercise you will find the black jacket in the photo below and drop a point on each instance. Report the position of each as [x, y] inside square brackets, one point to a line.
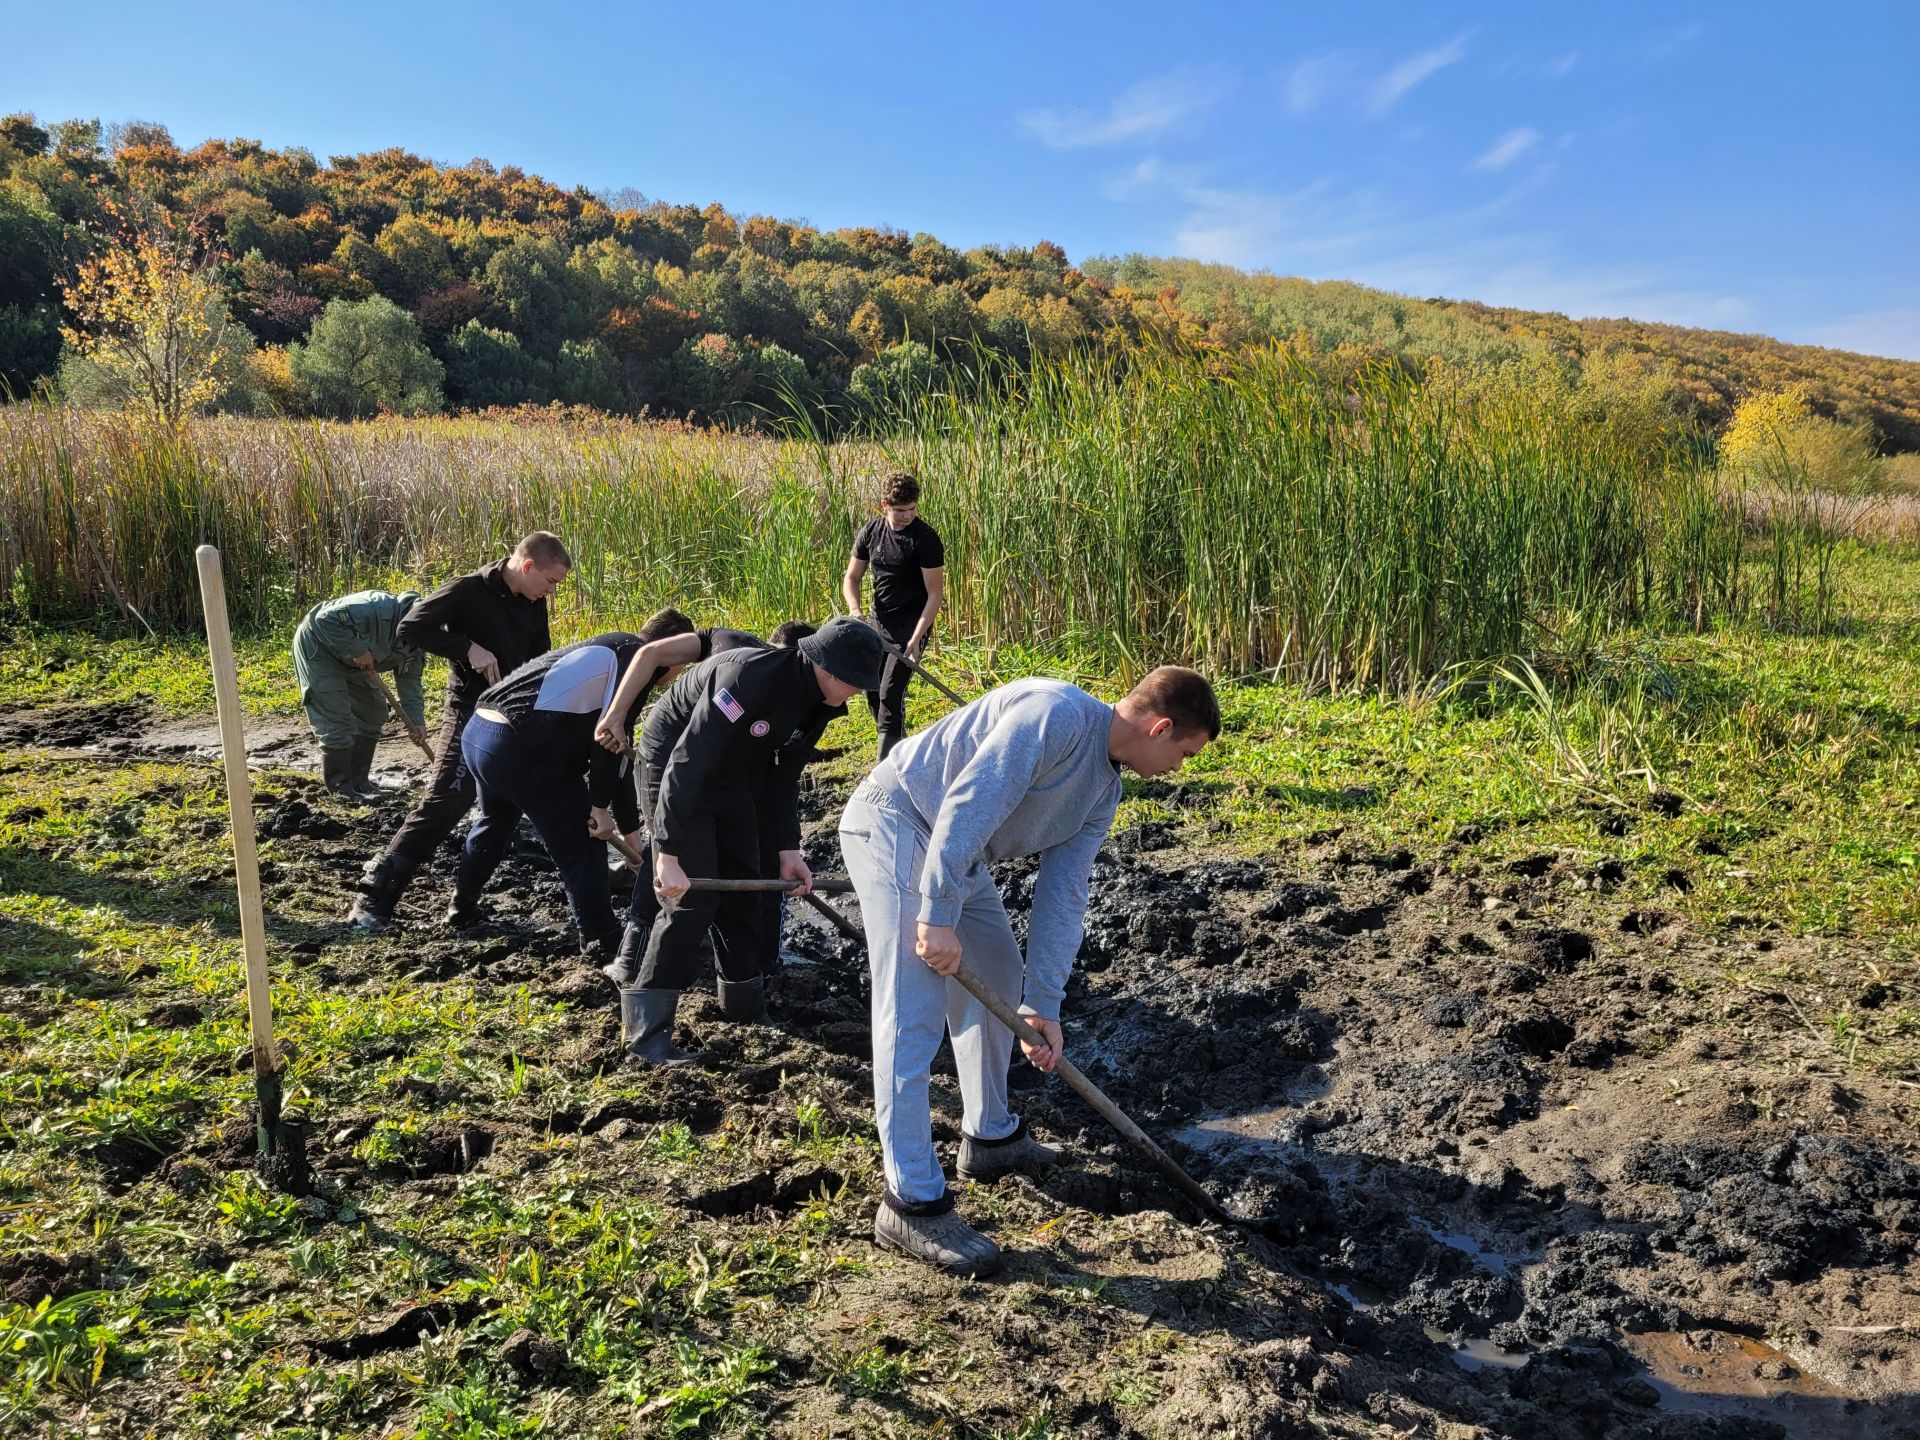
[477, 609]
[745, 720]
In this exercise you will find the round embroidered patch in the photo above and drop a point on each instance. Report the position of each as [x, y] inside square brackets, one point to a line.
[759, 728]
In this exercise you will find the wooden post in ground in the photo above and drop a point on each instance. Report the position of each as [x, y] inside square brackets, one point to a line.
[246, 862]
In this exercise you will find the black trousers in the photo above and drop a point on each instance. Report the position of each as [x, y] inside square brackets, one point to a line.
[515, 783]
[725, 844]
[889, 702]
[451, 792]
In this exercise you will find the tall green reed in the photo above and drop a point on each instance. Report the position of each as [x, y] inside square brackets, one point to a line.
[1117, 507]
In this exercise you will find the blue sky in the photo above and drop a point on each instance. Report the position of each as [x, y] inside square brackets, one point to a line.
[1745, 167]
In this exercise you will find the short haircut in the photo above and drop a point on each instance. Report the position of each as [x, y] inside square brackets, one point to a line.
[790, 633]
[1183, 696]
[899, 488]
[543, 547]
[664, 623]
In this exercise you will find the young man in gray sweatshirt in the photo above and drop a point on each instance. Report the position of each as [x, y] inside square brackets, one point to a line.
[1032, 768]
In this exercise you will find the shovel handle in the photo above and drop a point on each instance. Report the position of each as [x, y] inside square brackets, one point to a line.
[1094, 1096]
[915, 667]
[393, 704]
[246, 864]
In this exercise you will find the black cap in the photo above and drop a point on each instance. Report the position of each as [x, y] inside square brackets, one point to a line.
[849, 650]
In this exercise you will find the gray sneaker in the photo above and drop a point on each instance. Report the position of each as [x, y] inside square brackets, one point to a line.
[944, 1241]
[988, 1160]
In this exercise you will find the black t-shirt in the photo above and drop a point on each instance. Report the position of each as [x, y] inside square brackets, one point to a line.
[897, 558]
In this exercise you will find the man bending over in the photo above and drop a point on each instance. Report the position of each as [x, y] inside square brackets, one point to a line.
[1032, 768]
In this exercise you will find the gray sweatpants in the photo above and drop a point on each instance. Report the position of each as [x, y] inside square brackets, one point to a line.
[885, 849]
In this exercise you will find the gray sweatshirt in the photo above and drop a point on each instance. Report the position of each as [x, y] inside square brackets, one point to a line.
[1023, 770]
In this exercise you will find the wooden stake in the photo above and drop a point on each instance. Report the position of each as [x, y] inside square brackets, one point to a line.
[246, 862]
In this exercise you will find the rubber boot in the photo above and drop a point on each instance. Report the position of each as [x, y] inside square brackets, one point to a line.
[464, 914]
[336, 770]
[743, 1000]
[373, 910]
[624, 968]
[363, 781]
[646, 1025]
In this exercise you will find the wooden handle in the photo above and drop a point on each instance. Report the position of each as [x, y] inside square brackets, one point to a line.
[824, 884]
[393, 704]
[1095, 1097]
[915, 666]
[246, 860]
[627, 853]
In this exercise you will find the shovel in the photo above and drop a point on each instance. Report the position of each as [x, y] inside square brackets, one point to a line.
[281, 1141]
[1007, 1016]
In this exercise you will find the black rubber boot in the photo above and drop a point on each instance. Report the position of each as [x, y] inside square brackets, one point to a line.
[374, 909]
[646, 1024]
[363, 781]
[624, 968]
[464, 914]
[336, 771]
[742, 1000]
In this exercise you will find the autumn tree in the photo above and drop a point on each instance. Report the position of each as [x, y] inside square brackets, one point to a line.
[363, 357]
[150, 323]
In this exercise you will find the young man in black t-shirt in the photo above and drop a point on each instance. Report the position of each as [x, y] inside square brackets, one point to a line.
[909, 579]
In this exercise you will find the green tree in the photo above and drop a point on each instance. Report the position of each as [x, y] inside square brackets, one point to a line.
[587, 374]
[489, 367]
[365, 356]
[892, 379]
[29, 347]
[420, 258]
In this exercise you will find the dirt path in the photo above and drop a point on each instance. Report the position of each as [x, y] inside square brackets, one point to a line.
[1542, 1165]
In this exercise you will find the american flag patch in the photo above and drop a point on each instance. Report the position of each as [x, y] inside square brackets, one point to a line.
[729, 707]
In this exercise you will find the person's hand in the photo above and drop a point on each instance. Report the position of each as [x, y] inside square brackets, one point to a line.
[610, 736]
[669, 880]
[418, 735]
[916, 647]
[364, 660]
[484, 662]
[793, 866]
[1043, 1057]
[635, 839]
[600, 823]
[939, 946]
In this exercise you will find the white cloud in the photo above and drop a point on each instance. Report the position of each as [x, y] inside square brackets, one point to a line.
[1389, 88]
[1312, 83]
[1323, 231]
[1561, 66]
[1141, 112]
[1507, 149]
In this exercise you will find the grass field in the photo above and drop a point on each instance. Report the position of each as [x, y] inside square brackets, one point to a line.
[1633, 727]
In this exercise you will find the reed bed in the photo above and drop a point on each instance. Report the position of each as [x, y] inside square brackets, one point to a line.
[1251, 515]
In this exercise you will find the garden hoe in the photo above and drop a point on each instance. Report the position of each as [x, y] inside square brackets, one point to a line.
[282, 1139]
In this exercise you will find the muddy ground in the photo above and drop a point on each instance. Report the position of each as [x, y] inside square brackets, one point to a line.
[1524, 1160]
